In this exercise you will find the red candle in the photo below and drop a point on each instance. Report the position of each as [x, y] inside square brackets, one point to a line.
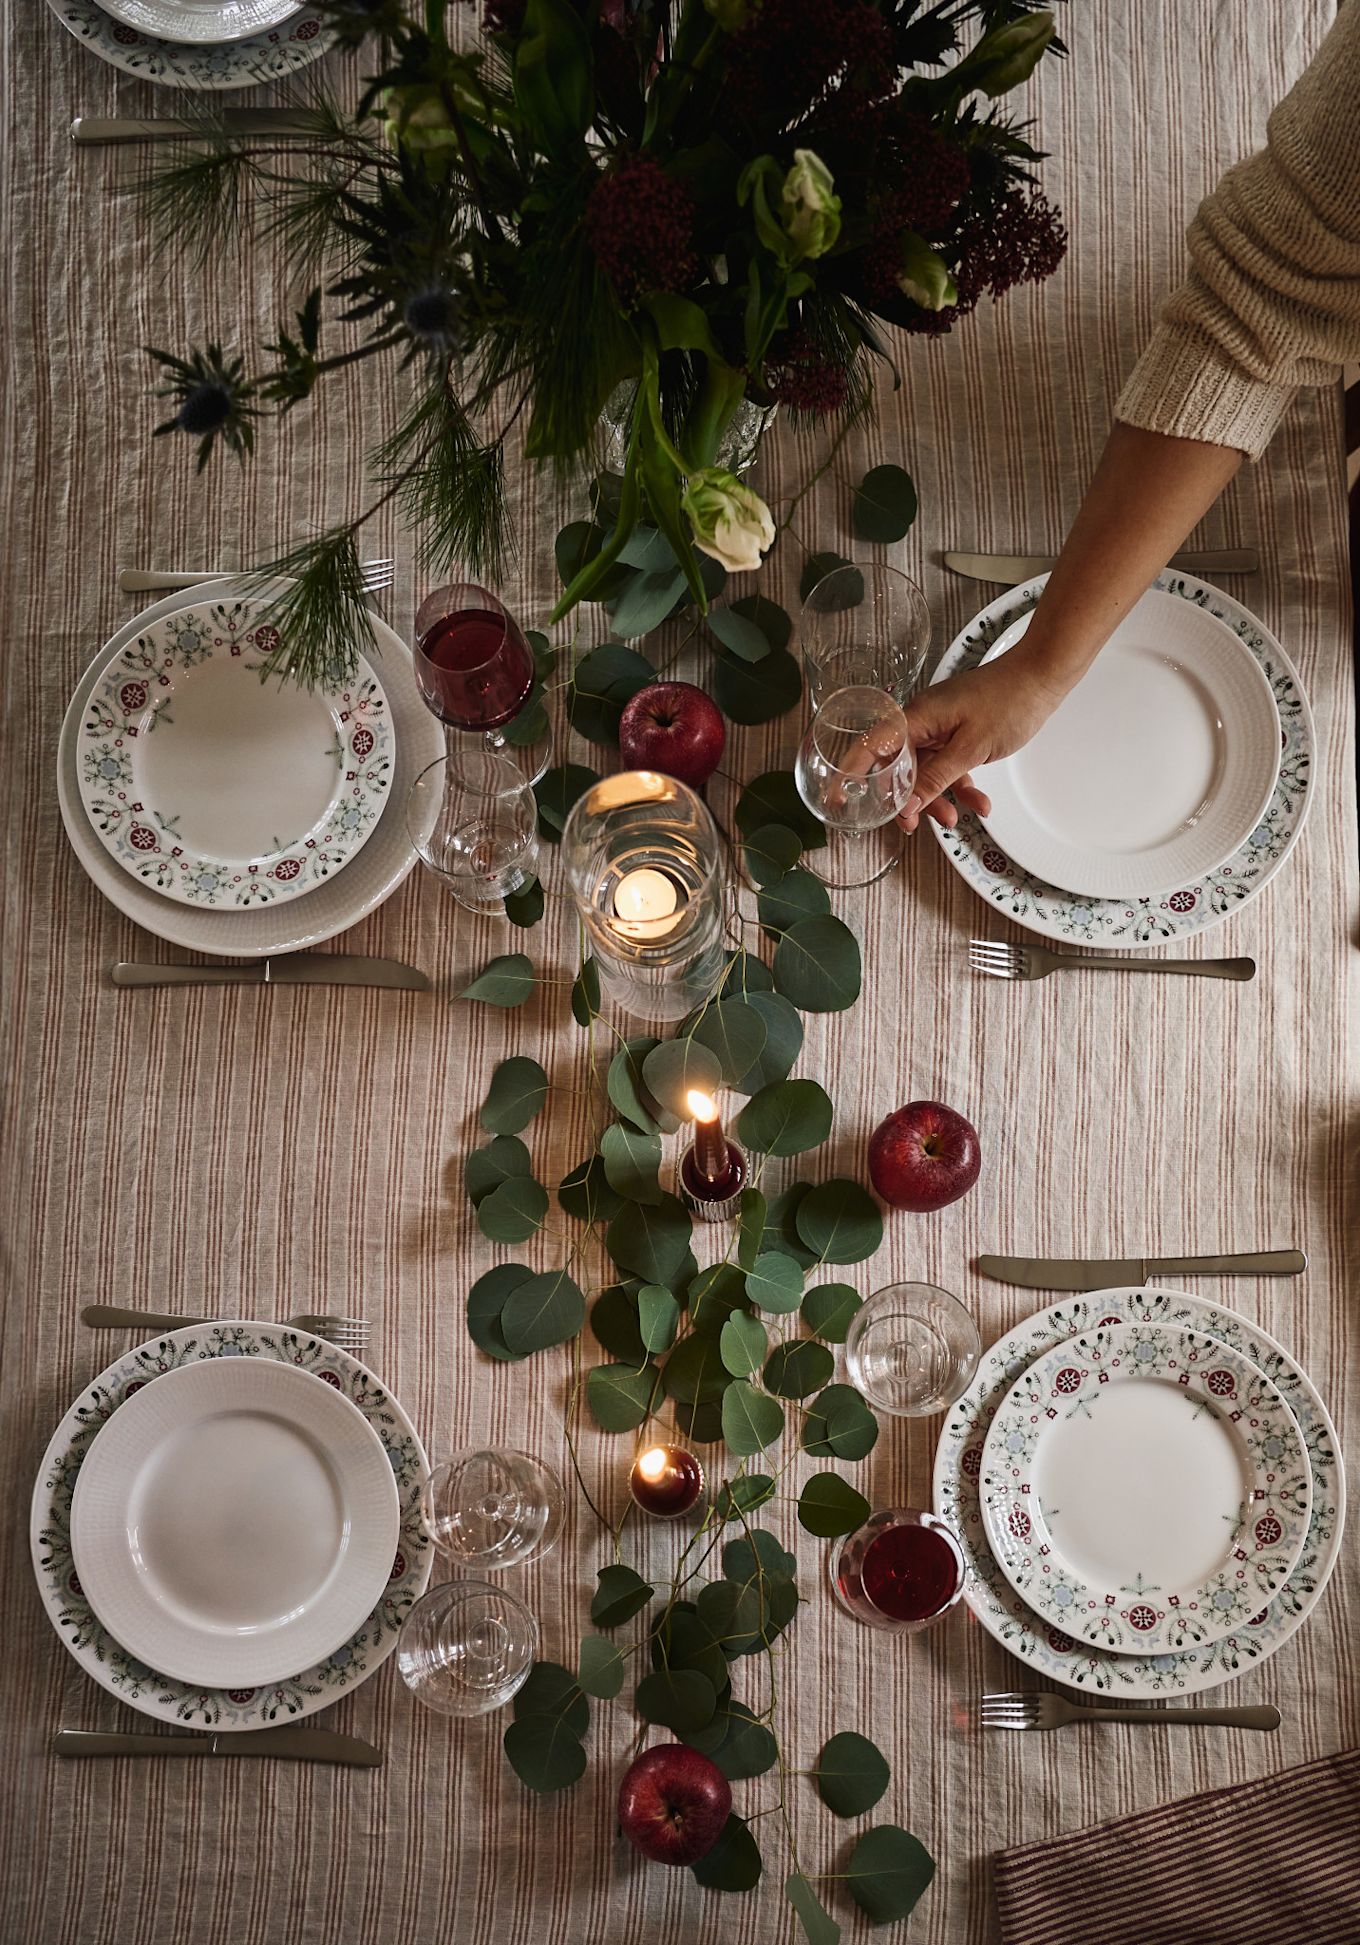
[666, 1480]
[710, 1143]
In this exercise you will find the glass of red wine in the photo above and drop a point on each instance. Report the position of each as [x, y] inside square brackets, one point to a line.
[475, 671]
[901, 1570]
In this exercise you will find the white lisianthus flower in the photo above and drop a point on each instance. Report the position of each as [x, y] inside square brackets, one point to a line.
[810, 210]
[730, 522]
[925, 277]
[416, 116]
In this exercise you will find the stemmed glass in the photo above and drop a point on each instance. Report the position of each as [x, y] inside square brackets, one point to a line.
[465, 1648]
[473, 821]
[854, 771]
[864, 627]
[902, 1570]
[475, 671]
[492, 1508]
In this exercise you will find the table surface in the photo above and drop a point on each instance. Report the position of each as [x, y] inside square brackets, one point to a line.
[251, 1153]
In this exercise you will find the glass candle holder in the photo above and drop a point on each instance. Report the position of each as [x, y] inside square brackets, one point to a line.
[645, 865]
[900, 1571]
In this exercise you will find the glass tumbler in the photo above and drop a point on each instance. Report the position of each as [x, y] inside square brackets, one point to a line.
[911, 1349]
[474, 822]
[854, 771]
[492, 1508]
[864, 627]
[465, 1648]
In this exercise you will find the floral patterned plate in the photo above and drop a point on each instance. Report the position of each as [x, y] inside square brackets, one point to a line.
[1145, 1487]
[1137, 922]
[95, 1649]
[217, 787]
[268, 56]
[1054, 1652]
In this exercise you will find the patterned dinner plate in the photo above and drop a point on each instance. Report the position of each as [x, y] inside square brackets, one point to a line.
[120, 1672]
[1145, 1487]
[1139, 922]
[1053, 1651]
[268, 56]
[218, 786]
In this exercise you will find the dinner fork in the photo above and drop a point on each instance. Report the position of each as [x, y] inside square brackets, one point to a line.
[1034, 1710]
[1005, 960]
[346, 1333]
[374, 575]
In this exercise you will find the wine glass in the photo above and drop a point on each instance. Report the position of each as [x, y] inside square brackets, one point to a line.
[854, 771]
[912, 1349]
[475, 671]
[902, 1570]
[864, 627]
[492, 1508]
[473, 821]
[465, 1648]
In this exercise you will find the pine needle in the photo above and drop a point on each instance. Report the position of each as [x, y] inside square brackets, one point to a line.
[321, 615]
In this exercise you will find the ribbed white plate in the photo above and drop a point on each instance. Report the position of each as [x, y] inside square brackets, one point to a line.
[212, 23]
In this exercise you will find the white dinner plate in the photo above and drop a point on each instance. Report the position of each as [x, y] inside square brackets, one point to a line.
[219, 785]
[1144, 1487]
[1153, 771]
[269, 54]
[138, 1683]
[329, 908]
[211, 23]
[1046, 1646]
[235, 1522]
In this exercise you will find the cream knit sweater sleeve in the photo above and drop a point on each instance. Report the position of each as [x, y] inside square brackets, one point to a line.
[1273, 299]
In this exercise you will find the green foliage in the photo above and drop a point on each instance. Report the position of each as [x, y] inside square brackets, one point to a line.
[586, 1194]
[676, 1698]
[839, 1425]
[555, 793]
[519, 1087]
[743, 1494]
[750, 1419]
[506, 981]
[887, 1872]
[658, 1317]
[485, 1302]
[552, 1690]
[885, 504]
[542, 1311]
[544, 1753]
[585, 994]
[829, 1506]
[734, 1031]
[786, 1118]
[733, 1864]
[839, 1222]
[795, 1369]
[797, 895]
[620, 1593]
[486, 1168]
[819, 1927]
[650, 1241]
[775, 1282]
[756, 694]
[620, 1396]
[602, 682]
[770, 851]
[514, 1211]
[816, 569]
[626, 1086]
[828, 1310]
[817, 965]
[601, 1667]
[524, 907]
[617, 1326]
[851, 1774]
[673, 1067]
[772, 798]
[783, 1042]
[631, 1161]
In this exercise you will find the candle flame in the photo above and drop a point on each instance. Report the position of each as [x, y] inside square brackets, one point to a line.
[652, 1463]
[702, 1106]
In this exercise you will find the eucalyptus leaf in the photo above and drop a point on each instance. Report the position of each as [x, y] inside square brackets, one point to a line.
[734, 1031]
[628, 1091]
[676, 1698]
[743, 1494]
[742, 1344]
[795, 896]
[738, 634]
[555, 793]
[601, 1668]
[781, 1229]
[645, 601]
[486, 1168]
[750, 1419]
[681, 1639]
[631, 1162]
[544, 1753]
[786, 1118]
[485, 1302]
[772, 798]
[585, 994]
[505, 981]
[658, 1316]
[647, 548]
[621, 1397]
[748, 1749]
[783, 1042]
[774, 1282]
[817, 965]
[796, 1369]
[829, 1506]
[584, 1192]
[552, 1690]
[770, 851]
[530, 726]
[885, 504]
[513, 1212]
[694, 1373]
[543, 1310]
[746, 976]
[816, 569]
[700, 1424]
[734, 1863]
[602, 682]
[519, 1087]
[577, 543]
[851, 1773]
[734, 1611]
[673, 1068]
[650, 1241]
[828, 1309]
[887, 1872]
[839, 1425]
[754, 1211]
[840, 1221]
[713, 1295]
[620, 1593]
[819, 1927]
[772, 620]
[525, 906]
[617, 1327]
[758, 694]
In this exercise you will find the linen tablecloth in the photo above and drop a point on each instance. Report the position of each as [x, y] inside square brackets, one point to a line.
[247, 1152]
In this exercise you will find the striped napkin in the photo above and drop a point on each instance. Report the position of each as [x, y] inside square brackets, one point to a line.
[1254, 1864]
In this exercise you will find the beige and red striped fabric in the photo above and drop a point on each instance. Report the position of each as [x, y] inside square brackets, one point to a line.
[258, 1152]
[1248, 1865]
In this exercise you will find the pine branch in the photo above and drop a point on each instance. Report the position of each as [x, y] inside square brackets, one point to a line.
[320, 613]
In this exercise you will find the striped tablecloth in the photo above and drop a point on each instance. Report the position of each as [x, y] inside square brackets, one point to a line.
[256, 1153]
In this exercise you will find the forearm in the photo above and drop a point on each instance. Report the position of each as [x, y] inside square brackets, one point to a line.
[1148, 492]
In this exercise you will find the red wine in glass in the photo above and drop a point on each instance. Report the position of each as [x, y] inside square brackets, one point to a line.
[475, 668]
[901, 1570]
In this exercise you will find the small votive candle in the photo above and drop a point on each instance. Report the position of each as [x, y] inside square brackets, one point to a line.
[666, 1480]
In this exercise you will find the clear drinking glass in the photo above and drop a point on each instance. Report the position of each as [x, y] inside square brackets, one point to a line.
[492, 1508]
[902, 1570]
[467, 1647]
[475, 671]
[854, 771]
[864, 627]
[911, 1349]
[473, 820]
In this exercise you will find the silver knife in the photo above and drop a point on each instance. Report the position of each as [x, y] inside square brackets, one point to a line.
[291, 969]
[90, 130]
[1014, 568]
[1088, 1273]
[299, 1745]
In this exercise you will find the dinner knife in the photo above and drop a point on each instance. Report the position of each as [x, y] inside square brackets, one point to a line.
[290, 969]
[298, 1745]
[1014, 568]
[1087, 1273]
[93, 130]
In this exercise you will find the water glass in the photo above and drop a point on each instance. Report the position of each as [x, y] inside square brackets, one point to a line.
[902, 1570]
[493, 1508]
[465, 1648]
[911, 1349]
[474, 822]
[864, 627]
[855, 768]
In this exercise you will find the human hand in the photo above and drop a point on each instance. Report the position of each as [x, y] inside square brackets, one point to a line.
[974, 718]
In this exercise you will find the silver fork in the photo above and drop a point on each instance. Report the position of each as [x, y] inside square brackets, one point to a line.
[1035, 1710]
[1005, 960]
[375, 575]
[346, 1333]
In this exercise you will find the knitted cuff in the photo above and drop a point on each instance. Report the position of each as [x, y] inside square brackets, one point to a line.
[1181, 387]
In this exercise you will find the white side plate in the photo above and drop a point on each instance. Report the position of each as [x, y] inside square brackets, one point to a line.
[212, 23]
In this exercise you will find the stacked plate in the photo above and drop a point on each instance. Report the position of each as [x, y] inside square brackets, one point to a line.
[226, 1526]
[199, 43]
[230, 813]
[1148, 1491]
[1164, 792]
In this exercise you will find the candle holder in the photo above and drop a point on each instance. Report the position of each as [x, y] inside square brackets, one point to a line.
[645, 862]
[712, 1171]
[666, 1481]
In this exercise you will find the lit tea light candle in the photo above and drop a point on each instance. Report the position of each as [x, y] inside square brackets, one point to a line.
[645, 904]
[666, 1480]
[712, 1168]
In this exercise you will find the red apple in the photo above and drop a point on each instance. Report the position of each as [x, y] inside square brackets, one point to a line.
[924, 1156]
[673, 1804]
[674, 728]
